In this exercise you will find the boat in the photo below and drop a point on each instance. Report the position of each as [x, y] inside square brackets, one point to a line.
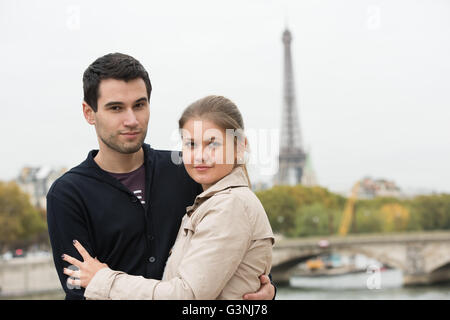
[337, 272]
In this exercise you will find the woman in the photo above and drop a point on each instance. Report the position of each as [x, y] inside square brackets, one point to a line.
[225, 240]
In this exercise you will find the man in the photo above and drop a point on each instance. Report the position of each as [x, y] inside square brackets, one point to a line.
[125, 202]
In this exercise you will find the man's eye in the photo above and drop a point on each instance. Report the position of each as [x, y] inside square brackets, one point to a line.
[140, 105]
[115, 108]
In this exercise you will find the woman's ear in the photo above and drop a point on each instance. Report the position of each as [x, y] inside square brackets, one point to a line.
[241, 146]
[88, 113]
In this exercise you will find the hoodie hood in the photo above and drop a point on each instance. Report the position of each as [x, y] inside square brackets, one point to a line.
[89, 168]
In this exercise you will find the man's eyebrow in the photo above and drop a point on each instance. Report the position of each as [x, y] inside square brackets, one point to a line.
[113, 103]
[143, 99]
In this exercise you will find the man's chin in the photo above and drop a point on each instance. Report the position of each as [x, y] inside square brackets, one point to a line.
[131, 149]
[126, 148]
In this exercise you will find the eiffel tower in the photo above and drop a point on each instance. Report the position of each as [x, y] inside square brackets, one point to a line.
[292, 156]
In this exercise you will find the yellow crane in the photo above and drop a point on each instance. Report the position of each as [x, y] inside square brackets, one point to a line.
[347, 217]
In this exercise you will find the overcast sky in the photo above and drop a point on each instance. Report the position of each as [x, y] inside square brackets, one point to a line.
[372, 79]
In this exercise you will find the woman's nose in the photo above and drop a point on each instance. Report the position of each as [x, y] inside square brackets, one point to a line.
[198, 155]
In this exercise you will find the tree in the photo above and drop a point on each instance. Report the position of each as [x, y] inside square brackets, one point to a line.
[378, 215]
[291, 208]
[307, 211]
[280, 207]
[368, 220]
[432, 212]
[316, 220]
[395, 217]
[20, 222]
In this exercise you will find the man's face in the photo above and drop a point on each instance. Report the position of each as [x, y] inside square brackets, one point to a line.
[122, 114]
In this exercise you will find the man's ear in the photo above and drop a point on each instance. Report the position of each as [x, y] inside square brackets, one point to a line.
[88, 113]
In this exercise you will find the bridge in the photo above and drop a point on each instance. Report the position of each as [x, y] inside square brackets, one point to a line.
[424, 258]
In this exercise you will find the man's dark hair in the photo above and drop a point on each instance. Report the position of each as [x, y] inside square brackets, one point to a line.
[117, 66]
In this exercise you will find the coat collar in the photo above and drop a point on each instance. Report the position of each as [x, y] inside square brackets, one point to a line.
[236, 178]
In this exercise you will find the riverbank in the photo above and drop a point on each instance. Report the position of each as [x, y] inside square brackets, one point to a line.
[48, 295]
[437, 292]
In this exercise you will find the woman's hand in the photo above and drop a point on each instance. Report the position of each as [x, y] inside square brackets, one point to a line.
[87, 269]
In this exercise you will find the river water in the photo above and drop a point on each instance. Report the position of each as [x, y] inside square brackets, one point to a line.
[386, 285]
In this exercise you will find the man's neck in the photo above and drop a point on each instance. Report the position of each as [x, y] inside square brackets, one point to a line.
[116, 162]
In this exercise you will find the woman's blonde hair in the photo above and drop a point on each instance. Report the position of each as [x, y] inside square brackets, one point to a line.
[221, 111]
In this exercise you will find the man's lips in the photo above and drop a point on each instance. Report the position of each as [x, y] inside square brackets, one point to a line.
[130, 134]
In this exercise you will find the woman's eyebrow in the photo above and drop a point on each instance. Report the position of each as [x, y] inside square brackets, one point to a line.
[214, 139]
[211, 139]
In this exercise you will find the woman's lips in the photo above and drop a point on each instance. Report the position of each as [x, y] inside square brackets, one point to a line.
[201, 168]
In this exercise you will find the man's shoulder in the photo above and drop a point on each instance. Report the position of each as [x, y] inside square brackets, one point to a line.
[171, 168]
[166, 157]
[168, 161]
[70, 180]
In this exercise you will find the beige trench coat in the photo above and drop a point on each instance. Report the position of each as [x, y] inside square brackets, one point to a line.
[224, 244]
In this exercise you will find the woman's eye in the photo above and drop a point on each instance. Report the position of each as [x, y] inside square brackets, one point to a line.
[190, 144]
[214, 144]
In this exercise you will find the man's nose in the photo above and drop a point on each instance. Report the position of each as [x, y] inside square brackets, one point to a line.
[130, 119]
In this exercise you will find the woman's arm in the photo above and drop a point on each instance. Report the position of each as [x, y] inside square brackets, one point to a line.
[218, 245]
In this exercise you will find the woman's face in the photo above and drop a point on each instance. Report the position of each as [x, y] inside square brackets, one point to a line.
[208, 152]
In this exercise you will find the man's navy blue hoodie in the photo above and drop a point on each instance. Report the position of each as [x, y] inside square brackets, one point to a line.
[91, 206]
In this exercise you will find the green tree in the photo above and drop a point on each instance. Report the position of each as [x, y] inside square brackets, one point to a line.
[432, 212]
[377, 215]
[290, 207]
[316, 220]
[310, 195]
[20, 222]
[280, 207]
[307, 211]
[367, 220]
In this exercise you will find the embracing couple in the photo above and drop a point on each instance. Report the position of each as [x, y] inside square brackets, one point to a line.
[131, 222]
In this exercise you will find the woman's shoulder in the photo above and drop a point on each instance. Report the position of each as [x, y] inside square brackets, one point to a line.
[240, 201]
[240, 205]
[255, 212]
[241, 196]
[248, 198]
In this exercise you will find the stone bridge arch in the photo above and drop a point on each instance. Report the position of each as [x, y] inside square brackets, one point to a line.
[423, 258]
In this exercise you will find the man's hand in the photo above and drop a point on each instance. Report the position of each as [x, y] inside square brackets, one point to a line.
[265, 292]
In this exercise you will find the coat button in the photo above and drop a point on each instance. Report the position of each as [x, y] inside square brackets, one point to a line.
[133, 199]
[150, 237]
[152, 259]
